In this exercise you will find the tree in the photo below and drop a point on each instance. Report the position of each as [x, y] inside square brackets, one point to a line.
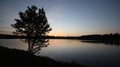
[33, 22]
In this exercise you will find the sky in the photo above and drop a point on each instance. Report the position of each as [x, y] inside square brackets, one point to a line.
[67, 17]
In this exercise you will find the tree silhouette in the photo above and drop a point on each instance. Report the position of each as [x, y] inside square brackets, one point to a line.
[33, 22]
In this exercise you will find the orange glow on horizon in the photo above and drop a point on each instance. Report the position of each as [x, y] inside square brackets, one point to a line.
[56, 34]
[62, 34]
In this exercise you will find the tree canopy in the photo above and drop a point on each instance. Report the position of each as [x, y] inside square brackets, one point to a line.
[32, 22]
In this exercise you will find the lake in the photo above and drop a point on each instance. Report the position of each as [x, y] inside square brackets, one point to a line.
[67, 50]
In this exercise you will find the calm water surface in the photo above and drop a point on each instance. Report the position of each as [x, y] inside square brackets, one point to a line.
[90, 54]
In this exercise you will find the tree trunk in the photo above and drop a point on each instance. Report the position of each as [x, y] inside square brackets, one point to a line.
[29, 46]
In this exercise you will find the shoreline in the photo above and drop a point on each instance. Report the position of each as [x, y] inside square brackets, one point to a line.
[14, 57]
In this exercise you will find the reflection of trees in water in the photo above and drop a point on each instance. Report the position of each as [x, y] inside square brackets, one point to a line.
[112, 43]
[35, 44]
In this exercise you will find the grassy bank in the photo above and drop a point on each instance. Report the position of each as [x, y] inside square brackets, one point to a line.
[13, 57]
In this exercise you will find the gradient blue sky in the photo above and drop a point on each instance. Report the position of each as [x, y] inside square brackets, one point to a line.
[67, 17]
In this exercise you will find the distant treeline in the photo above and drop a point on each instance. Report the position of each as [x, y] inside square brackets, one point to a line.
[104, 37]
[6, 36]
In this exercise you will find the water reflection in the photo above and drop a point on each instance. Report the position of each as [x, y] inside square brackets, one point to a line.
[90, 54]
[95, 54]
[112, 43]
[35, 44]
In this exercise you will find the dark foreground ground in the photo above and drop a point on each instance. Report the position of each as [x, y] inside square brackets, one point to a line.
[13, 57]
